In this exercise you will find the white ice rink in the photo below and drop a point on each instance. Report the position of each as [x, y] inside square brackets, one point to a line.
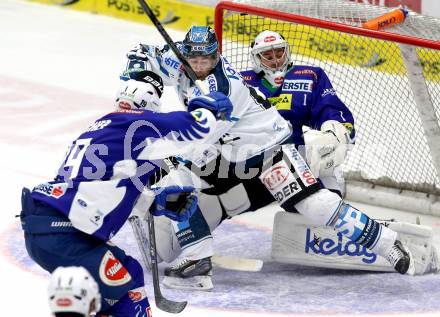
[58, 72]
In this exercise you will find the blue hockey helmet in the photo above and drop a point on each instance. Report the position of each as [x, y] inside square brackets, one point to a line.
[200, 41]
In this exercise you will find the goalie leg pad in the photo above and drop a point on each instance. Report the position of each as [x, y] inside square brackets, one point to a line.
[296, 240]
[419, 240]
[326, 208]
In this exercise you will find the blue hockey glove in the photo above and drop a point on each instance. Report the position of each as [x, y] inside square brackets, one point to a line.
[175, 202]
[216, 102]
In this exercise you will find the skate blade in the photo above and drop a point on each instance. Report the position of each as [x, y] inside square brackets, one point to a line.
[195, 283]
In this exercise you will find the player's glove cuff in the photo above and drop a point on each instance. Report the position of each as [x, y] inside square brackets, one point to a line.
[216, 102]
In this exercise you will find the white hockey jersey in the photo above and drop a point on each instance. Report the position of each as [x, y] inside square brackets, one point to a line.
[255, 124]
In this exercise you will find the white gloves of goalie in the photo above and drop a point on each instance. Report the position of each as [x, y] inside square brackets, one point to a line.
[327, 148]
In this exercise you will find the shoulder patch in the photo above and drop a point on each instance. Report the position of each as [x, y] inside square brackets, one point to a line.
[112, 272]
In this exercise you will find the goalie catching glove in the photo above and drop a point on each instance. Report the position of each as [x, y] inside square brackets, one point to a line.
[327, 148]
[175, 202]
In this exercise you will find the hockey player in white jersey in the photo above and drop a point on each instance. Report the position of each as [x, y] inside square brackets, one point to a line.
[250, 147]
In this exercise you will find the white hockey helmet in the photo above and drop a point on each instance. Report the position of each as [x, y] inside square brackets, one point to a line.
[141, 92]
[73, 290]
[274, 70]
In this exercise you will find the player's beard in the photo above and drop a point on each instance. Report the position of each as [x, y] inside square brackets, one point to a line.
[201, 75]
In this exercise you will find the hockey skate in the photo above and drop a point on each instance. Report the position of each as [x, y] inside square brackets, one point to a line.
[190, 275]
[400, 259]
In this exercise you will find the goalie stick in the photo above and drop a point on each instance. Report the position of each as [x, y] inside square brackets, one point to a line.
[162, 303]
[237, 263]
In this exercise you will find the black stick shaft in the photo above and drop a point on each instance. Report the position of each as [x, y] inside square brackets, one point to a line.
[161, 302]
[191, 74]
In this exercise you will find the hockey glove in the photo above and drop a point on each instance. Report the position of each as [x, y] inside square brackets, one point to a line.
[175, 202]
[216, 102]
[142, 52]
[327, 148]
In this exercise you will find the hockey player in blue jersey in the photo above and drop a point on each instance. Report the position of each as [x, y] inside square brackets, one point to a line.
[255, 138]
[104, 178]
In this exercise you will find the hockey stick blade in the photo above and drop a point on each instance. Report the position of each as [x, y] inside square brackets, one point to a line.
[170, 306]
[237, 263]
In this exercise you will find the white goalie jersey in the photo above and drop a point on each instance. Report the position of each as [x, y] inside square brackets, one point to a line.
[254, 126]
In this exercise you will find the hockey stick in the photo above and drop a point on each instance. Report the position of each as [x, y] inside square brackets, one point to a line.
[162, 303]
[237, 263]
[141, 239]
[190, 72]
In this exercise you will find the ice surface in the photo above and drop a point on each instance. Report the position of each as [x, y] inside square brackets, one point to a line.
[58, 72]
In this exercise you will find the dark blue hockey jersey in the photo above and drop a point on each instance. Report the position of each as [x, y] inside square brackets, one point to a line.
[306, 97]
[103, 172]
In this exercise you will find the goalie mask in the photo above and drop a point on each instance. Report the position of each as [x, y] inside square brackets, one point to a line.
[270, 54]
[200, 47]
[141, 92]
[72, 289]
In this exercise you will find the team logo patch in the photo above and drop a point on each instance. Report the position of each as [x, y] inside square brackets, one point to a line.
[348, 126]
[51, 190]
[332, 247]
[282, 102]
[279, 80]
[328, 91]
[212, 82]
[304, 85]
[281, 182]
[269, 38]
[197, 114]
[64, 302]
[276, 176]
[247, 77]
[112, 272]
[124, 105]
[137, 294]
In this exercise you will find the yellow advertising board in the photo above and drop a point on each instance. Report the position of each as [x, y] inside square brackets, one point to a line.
[327, 45]
[171, 13]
